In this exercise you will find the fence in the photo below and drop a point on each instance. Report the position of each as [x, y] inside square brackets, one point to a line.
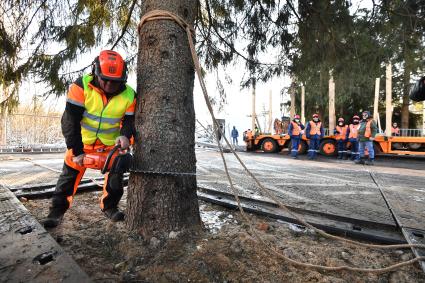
[31, 130]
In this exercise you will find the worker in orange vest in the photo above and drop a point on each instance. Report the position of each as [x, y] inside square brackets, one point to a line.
[367, 132]
[99, 114]
[295, 131]
[395, 130]
[341, 136]
[353, 129]
[314, 132]
[249, 134]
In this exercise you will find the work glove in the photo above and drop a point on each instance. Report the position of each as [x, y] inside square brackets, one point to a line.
[371, 139]
[78, 159]
[123, 142]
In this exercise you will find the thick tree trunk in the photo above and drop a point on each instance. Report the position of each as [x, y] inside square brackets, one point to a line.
[165, 127]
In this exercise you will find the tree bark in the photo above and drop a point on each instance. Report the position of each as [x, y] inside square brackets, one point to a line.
[165, 127]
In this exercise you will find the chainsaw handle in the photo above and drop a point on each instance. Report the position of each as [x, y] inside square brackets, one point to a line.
[109, 157]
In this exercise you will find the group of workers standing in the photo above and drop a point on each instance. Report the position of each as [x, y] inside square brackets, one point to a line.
[360, 133]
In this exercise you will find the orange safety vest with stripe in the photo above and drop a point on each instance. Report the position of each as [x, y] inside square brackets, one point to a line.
[342, 132]
[315, 128]
[368, 131]
[296, 129]
[102, 117]
[354, 129]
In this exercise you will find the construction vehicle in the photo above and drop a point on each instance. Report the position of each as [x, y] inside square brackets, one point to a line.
[395, 145]
[410, 142]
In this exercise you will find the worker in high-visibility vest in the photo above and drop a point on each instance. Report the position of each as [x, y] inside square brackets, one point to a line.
[314, 132]
[341, 136]
[295, 131]
[367, 132]
[353, 129]
[395, 130]
[99, 114]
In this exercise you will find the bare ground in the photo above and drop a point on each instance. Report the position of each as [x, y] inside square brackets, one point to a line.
[225, 252]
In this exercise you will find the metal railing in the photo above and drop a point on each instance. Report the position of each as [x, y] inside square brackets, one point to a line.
[403, 132]
[412, 133]
[32, 148]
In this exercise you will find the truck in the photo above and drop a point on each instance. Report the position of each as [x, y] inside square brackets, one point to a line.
[414, 144]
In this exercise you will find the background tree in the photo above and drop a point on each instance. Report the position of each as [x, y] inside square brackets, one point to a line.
[401, 26]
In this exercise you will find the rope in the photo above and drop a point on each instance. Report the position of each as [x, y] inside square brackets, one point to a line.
[166, 15]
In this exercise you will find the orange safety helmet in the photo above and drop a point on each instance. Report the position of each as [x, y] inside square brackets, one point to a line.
[355, 117]
[341, 119]
[110, 66]
[316, 115]
[297, 116]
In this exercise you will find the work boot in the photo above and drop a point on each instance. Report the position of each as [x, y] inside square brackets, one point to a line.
[359, 161]
[339, 155]
[114, 214]
[369, 162]
[53, 219]
[345, 156]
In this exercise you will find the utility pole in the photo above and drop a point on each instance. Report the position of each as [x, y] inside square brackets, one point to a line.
[423, 118]
[4, 128]
[292, 94]
[388, 105]
[303, 104]
[270, 111]
[331, 103]
[375, 103]
[254, 116]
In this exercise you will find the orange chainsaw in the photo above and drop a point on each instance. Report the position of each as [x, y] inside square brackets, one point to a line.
[111, 161]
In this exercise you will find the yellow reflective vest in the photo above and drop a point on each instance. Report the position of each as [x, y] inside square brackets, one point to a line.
[102, 117]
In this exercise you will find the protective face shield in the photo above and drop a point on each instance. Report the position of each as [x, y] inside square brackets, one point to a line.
[316, 119]
[355, 122]
[365, 116]
[341, 123]
[297, 120]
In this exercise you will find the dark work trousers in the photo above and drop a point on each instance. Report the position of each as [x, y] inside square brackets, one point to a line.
[69, 180]
[342, 148]
[354, 149]
[295, 141]
[313, 147]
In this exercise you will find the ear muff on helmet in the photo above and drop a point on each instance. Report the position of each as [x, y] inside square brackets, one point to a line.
[109, 65]
[417, 93]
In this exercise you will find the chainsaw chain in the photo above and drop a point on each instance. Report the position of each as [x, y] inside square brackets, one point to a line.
[163, 173]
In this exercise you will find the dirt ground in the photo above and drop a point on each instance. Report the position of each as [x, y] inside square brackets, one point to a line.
[225, 252]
